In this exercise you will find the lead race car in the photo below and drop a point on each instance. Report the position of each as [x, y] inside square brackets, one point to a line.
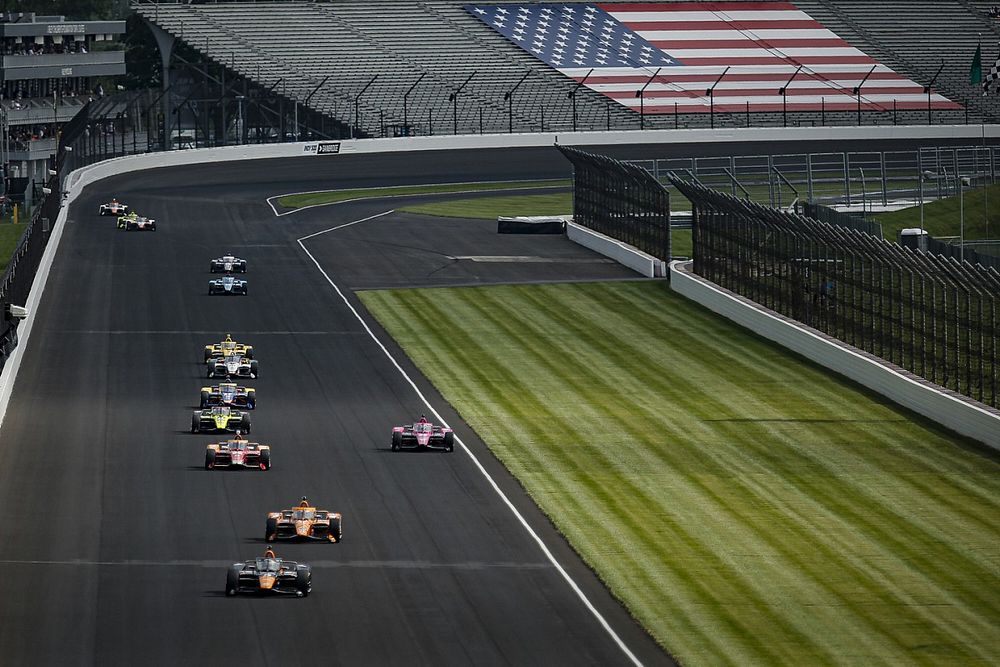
[135, 222]
[113, 207]
[228, 264]
[227, 285]
[423, 435]
[220, 418]
[229, 393]
[228, 347]
[238, 453]
[304, 522]
[269, 574]
[232, 366]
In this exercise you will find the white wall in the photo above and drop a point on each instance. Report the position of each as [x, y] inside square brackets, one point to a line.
[949, 410]
[622, 253]
[972, 133]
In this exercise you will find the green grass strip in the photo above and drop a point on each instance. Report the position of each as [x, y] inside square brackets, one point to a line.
[334, 196]
[10, 234]
[745, 505]
[943, 217]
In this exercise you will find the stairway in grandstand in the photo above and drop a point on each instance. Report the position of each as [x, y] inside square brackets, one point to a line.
[347, 43]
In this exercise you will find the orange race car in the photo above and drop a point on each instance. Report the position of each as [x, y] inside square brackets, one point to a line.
[304, 522]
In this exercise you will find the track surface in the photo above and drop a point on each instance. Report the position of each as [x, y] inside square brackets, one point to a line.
[116, 541]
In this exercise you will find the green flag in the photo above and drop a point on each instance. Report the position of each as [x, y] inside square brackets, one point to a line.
[976, 71]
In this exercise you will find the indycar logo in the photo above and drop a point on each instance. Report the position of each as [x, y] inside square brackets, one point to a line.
[323, 148]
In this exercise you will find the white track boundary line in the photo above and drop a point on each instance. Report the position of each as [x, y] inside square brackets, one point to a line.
[492, 482]
[415, 194]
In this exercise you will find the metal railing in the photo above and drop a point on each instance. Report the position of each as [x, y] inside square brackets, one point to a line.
[933, 315]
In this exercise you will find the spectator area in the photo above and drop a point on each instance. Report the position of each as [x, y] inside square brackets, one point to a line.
[328, 52]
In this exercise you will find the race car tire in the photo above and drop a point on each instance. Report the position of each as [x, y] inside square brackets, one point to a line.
[249, 352]
[449, 441]
[244, 290]
[303, 580]
[233, 580]
[271, 531]
[204, 399]
[397, 440]
[245, 424]
[195, 423]
[209, 459]
[211, 371]
[254, 373]
[243, 267]
[152, 227]
[265, 459]
[208, 354]
[337, 529]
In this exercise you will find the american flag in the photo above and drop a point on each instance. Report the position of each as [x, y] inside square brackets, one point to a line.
[692, 44]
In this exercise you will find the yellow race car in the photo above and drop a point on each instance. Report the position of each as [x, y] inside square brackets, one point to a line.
[228, 348]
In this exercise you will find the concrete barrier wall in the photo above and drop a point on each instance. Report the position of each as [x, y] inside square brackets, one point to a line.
[622, 253]
[954, 412]
[973, 133]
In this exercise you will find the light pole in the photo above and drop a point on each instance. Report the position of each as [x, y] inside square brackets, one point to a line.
[864, 193]
[641, 95]
[962, 182]
[857, 91]
[406, 118]
[783, 91]
[509, 98]
[453, 98]
[357, 105]
[927, 89]
[711, 97]
[572, 95]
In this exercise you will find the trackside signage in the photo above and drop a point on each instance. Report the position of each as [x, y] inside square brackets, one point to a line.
[322, 148]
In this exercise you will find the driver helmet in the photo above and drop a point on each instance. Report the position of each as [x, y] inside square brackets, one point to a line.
[423, 419]
[304, 502]
[269, 552]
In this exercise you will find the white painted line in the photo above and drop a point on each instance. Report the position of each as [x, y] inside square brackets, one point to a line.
[492, 482]
[412, 194]
[346, 224]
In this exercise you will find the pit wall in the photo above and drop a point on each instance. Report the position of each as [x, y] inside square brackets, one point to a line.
[952, 411]
[624, 254]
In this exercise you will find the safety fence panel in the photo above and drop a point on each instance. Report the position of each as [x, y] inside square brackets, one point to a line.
[931, 314]
[620, 200]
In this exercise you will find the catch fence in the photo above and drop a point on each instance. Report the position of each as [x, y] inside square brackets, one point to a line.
[933, 315]
[620, 200]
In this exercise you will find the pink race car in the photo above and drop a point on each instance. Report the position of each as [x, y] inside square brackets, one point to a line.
[423, 435]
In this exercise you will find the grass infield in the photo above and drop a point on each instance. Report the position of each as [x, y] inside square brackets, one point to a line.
[334, 196]
[10, 234]
[943, 217]
[746, 506]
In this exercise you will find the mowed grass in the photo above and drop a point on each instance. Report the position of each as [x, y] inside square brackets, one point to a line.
[747, 507]
[10, 234]
[334, 196]
[943, 217]
[490, 208]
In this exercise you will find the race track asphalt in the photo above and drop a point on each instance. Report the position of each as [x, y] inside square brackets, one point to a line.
[116, 542]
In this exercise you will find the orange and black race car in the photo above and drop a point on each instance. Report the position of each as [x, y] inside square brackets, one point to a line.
[269, 574]
[304, 522]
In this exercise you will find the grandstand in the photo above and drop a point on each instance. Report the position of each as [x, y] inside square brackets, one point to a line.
[432, 67]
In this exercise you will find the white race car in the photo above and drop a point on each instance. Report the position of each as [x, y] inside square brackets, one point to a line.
[229, 264]
[227, 285]
[114, 207]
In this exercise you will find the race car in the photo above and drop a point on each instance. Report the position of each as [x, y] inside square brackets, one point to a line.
[232, 366]
[423, 435]
[220, 418]
[228, 264]
[135, 222]
[229, 393]
[269, 574]
[304, 522]
[113, 207]
[227, 285]
[238, 453]
[227, 348]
